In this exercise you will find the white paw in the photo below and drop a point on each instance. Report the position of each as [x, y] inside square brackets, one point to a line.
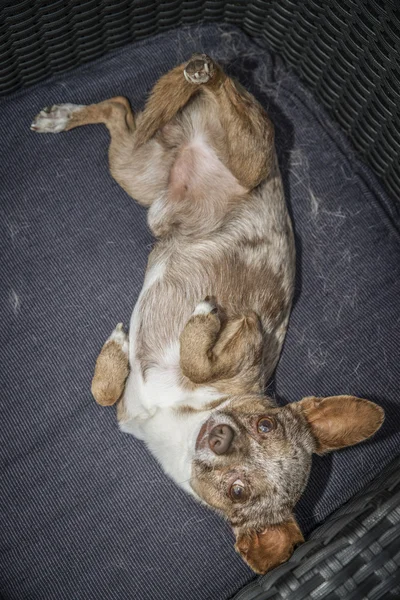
[199, 69]
[54, 119]
[120, 337]
[205, 308]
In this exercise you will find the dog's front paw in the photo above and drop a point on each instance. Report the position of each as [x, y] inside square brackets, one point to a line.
[199, 69]
[120, 337]
[112, 368]
[54, 119]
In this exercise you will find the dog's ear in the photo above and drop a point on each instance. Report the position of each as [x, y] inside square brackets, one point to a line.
[266, 550]
[341, 421]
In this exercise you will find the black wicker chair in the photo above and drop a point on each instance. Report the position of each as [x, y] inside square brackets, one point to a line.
[347, 52]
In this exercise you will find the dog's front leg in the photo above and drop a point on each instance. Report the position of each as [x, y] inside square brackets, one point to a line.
[214, 348]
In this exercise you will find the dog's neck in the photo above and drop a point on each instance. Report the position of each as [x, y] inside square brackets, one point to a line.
[171, 435]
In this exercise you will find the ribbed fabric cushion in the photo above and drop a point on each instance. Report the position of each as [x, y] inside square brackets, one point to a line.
[86, 512]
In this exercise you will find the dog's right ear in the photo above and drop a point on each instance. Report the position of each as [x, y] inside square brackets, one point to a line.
[341, 421]
[265, 550]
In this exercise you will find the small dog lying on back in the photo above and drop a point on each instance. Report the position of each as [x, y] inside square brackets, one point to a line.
[208, 327]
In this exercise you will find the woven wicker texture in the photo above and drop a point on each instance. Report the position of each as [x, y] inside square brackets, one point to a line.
[347, 51]
[355, 555]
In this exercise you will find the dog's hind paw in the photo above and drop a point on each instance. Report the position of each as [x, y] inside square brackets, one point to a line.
[54, 119]
[199, 69]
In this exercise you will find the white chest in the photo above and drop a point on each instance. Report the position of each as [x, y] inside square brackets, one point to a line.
[171, 438]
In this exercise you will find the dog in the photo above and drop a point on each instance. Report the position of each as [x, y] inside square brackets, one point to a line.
[208, 327]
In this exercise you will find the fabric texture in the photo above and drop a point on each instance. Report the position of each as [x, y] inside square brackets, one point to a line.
[86, 512]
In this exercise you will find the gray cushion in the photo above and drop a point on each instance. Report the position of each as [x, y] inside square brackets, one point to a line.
[86, 512]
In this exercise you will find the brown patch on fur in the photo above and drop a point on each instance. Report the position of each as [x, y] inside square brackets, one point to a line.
[110, 374]
[266, 550]
[252, 404]
[236, 355]
[185, 409]
[340, 421]
[254, 243]
[255, 406]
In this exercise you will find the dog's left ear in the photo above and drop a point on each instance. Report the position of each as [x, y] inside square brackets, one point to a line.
[267, 549]
[341, 421]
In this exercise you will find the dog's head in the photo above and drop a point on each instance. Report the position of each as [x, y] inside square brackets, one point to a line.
[252, 462]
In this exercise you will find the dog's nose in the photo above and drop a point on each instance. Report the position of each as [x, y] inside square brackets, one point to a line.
[220, 438]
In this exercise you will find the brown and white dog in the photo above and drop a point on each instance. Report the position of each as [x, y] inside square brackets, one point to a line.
[208, 327]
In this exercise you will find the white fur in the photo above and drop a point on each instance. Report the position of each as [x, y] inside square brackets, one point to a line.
[158, 214]
[54, 120]
[172, 441]
[203, 308]
[134, 395]
[156, 273]
[119, 336]
[151, 404]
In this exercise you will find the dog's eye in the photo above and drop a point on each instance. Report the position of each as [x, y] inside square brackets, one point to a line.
[237, 491]
[265, 425]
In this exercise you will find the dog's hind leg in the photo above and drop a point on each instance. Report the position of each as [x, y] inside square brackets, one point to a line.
[213, 349]
[141, 172]
[138, 161]
[112, 368]
[247, 147]
[115, 113]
